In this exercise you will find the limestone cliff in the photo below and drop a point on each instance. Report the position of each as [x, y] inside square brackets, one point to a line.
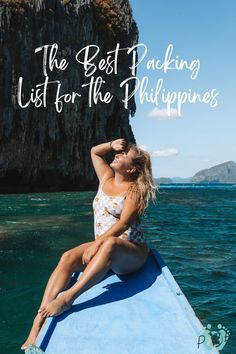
[40, 148]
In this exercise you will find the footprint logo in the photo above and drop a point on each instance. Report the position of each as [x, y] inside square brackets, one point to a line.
[222, 336]
[216, 338]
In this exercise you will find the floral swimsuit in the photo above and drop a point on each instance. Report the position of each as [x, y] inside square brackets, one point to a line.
[107, 211]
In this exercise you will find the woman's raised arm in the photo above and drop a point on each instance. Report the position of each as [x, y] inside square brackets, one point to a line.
[98, 153]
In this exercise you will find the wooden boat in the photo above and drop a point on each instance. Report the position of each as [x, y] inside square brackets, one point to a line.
[142, 313]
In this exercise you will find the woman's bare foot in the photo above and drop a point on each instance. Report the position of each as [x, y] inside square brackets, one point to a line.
[37, 325]
[56, 307]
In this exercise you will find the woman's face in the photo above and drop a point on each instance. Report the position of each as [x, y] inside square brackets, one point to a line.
[123, 161]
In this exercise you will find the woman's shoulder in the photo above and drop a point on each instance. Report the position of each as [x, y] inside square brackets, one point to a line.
[133, 190]
[134, 197]
[105, 178]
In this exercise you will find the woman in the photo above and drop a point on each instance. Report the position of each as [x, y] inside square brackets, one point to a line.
[125, 188]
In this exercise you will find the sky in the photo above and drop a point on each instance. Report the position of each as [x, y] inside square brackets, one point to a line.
[199, 135]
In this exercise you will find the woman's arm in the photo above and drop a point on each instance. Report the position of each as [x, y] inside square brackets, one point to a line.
[98, 153]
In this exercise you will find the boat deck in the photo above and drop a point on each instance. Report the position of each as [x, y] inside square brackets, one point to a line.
[141, 313]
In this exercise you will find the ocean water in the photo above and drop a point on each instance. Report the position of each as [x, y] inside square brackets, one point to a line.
[193, 229]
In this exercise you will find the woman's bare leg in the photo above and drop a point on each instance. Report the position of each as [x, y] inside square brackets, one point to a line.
[120, 255]
[70, 262]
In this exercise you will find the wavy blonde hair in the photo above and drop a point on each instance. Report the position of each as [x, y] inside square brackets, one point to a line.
[143, 186]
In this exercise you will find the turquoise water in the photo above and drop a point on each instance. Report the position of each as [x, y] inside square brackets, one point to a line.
[194, 230]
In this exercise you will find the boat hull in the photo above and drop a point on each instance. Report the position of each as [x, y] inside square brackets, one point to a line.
[142, 313]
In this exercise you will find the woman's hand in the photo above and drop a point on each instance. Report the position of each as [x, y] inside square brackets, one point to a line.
[118, 144]
[90, 252]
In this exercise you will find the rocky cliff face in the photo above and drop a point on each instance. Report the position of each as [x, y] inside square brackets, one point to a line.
[40, 148]
[222, 173]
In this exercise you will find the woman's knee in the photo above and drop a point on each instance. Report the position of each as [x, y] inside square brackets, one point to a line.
[110, 245]
[68, 259]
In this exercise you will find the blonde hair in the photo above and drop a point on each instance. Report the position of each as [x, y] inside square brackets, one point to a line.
[143, 186]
